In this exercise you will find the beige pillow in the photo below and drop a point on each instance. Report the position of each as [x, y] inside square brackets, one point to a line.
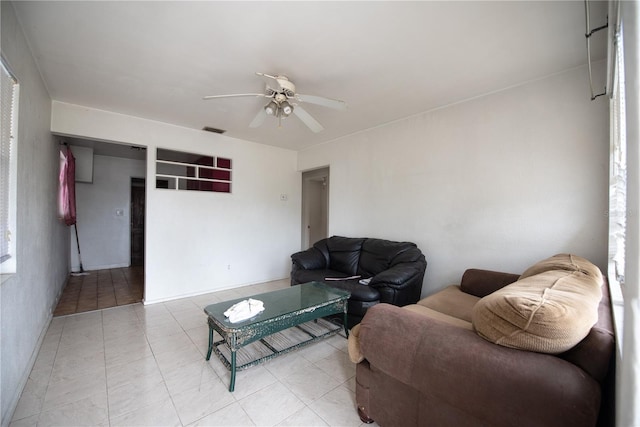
[566, 262]
[549, 312]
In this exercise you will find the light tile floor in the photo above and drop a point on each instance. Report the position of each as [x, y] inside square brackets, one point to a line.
[144, 366]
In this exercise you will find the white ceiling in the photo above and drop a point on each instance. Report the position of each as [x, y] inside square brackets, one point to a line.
[387, 60]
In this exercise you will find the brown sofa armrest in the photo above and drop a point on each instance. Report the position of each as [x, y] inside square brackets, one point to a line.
[481, 283]
[497, 385]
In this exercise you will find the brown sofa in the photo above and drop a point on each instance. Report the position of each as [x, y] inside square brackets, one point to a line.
[428, 365]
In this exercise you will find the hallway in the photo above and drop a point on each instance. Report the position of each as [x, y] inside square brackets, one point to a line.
[101, 289]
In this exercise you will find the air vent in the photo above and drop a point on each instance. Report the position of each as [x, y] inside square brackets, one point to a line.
[214, 130]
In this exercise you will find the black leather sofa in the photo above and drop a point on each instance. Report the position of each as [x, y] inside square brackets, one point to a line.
[396, 270]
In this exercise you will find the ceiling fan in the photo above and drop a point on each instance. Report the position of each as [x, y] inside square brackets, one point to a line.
[284, 101]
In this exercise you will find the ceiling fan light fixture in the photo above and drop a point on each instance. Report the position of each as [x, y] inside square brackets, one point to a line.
[286, 108]
[271, 108]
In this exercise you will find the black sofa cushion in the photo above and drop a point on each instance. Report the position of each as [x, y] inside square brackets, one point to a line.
[358, 292]
[344, 253]
[378, 255]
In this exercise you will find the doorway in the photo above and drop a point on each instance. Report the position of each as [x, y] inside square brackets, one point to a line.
[315, 206]
[137, 221]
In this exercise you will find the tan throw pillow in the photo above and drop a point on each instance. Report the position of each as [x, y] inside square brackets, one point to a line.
[566, 262]
[548, 313]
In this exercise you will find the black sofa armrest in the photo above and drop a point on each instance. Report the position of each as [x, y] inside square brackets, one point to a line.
[401, 284]
[311, 259]
[398, 276]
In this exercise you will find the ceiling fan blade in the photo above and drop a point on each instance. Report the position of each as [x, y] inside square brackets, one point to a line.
[325, 102]
[306, 118]
[258, 120]
[266, 75]
[235, 95]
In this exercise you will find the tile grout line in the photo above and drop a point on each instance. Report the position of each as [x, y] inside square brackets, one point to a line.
[106, 378]
[204, 366]
[164, 381]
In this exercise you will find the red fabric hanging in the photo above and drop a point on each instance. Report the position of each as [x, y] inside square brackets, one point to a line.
[67, 188]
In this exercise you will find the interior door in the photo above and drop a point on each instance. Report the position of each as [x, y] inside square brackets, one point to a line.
[137, 221]
[315, 206]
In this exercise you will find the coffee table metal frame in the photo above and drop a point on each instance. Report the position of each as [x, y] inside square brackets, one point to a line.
[237, 335]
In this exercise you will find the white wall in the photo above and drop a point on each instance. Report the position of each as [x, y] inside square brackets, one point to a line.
[105, 240]
[28, 297]
[197, 242]
[496, 182]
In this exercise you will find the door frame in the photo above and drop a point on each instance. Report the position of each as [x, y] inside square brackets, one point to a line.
[139, 183]
[320, 174]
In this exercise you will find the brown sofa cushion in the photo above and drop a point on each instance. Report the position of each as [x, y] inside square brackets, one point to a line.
[549, 312]
[467, 301]
[437, 315]
[451, 301]
[481, 283]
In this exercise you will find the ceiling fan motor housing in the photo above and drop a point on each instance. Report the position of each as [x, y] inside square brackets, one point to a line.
[288, 88]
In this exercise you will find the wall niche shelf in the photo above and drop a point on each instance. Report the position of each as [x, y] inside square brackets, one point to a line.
[178, 170]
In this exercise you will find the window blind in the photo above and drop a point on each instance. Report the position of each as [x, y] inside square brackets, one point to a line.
[8, 90]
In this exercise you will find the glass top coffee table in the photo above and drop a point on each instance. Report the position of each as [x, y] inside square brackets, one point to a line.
[298, 306]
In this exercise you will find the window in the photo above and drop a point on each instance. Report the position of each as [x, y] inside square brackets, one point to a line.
[185, 171]
[618, 168]
[9, 89]
[619, 196]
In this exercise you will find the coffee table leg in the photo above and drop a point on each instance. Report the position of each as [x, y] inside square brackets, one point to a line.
[210, 343]
[232, 385]
[346, 330]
